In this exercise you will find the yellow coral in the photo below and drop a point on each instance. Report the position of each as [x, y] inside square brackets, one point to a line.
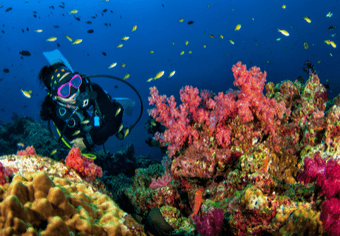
[66, 207]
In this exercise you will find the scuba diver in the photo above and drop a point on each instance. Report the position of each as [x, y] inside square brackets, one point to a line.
[83, 114]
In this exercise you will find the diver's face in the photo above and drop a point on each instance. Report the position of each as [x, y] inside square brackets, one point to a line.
[69, 100]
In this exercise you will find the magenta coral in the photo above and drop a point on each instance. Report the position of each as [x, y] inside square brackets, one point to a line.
[84, 166]
[161, 181]
[211, 224]
[327, 177]
[4, 174]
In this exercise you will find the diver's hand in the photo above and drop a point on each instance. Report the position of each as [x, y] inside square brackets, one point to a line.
[78, 142]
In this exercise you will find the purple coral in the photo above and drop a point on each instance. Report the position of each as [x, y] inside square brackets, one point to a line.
[211, 224]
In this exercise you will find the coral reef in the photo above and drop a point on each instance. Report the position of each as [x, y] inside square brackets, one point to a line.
[242, 152]
[46, 198]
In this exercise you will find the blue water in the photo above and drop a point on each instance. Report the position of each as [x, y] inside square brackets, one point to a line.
[157, 27]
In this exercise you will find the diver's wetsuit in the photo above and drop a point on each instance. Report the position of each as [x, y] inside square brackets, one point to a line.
[83, 119]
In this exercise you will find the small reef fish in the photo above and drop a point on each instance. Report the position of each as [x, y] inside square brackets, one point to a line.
[51, 39]
[284, 32]
[123, 65]
[84, 122]
[38, 30]
[306, 18]
[278, 39]
[120, 128]
[126, 76]
[238, 27]
[112, 65]
[26, 93]
[77, 41]
[331, 27]
[329, 14]
[221, 36]
[151, 51]
[54, 152]
[134, 28]
[125, 38]
[118, 111]
[75, 133]
[159, 75]
[20, 145]
[305, 44]
[69, 38]
[171, 74]
[73, 12]
[181, 20]
[182, 52]
[149, 80]
[120, 45]
[332, 44]
[190, 52]
[231, 41]
[186, 42]
[283, 6]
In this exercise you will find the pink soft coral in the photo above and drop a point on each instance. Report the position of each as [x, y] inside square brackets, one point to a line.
[84, 166]
[161, 181]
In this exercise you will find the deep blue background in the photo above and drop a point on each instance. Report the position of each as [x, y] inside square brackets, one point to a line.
[158, 26]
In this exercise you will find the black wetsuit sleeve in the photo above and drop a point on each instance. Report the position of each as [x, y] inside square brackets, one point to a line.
[111, 122]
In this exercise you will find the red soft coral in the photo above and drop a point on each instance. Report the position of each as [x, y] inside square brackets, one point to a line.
[29, 151]
[4, 174]
[161, 181]
[84, 166]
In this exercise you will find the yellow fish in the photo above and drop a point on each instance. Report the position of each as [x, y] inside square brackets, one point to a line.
[126, 132]
[51, 39]
[120, 45]
[190, 52]
[75, 133]
[231, 41]
[134, 28]
[238, 27]
[118, 111]
[283, 6]
[204, 46]
[253, 18]
[73, 12]
[181, 20]
[153, 122]
[221, 36]
[26, 93]
[278, 39]
[126, 76]
[182, 52]
[284, 32]
[120, 128]
[123, 65]
[151, 51]
[54, 152]
[125, 38]
[329, 14]
[173, 43]
[38, 30]
[77, 41]
[319, 63]
[84, 122]
[186, 42]
[68, 37]
[159, 75]
[331, 54]
[171, 74]
[306, 18]
[333, 44]
[211, 35]
[149, 80]
[112, 65]
[328, 42]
